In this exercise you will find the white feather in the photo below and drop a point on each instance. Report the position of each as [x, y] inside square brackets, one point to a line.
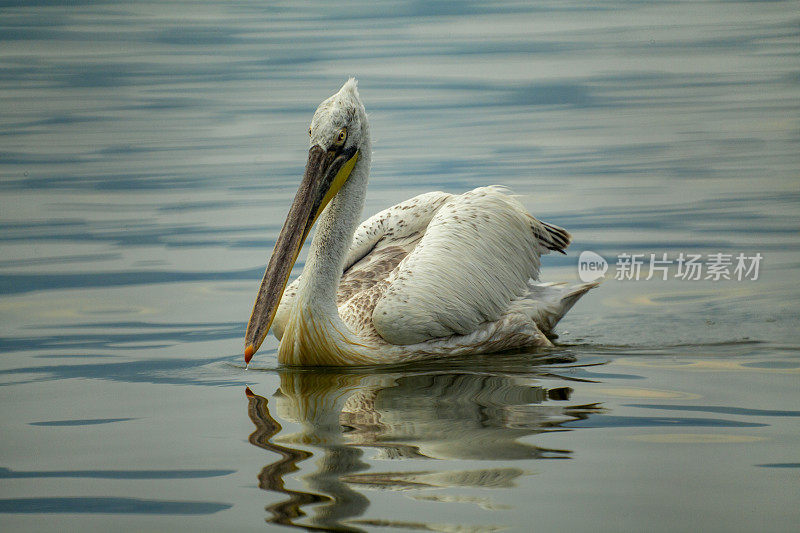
[477, 254]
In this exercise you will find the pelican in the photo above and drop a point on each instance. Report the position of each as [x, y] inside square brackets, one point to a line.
[437, 275]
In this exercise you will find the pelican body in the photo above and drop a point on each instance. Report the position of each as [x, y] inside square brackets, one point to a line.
[437, 275]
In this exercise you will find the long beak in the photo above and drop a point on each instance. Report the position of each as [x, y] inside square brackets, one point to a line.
[326, 172]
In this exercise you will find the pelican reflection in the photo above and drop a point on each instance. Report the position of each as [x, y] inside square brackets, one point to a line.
[352, 424]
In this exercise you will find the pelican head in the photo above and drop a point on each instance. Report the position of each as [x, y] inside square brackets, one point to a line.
[337, 132]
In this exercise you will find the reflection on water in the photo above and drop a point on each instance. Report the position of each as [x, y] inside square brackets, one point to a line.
[444, 433]
[458, 415]
[271, 477]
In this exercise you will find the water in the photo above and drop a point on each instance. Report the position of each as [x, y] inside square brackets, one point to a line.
[148, 154]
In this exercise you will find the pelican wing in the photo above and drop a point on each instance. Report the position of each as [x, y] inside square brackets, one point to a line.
[477, 253]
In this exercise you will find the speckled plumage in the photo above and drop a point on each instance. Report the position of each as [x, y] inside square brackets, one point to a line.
[436, 275]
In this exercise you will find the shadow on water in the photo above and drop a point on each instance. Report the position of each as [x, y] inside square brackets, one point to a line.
[7, 473]
[112, 340]
[104, 505]
[113, 336]
[412, 415]
[159, 371]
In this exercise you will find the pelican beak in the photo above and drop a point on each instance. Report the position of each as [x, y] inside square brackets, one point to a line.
[326, 172]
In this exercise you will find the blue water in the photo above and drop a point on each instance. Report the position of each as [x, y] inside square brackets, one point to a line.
[148, 155]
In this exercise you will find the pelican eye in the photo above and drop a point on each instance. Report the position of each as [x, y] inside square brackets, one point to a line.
[309, 132]
[341, 137]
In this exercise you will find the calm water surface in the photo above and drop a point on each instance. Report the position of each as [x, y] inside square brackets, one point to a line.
[148, 155]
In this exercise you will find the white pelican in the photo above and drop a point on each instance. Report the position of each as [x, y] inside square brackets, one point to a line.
[437, 275]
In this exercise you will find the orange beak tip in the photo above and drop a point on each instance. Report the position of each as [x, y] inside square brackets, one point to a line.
[248, 353]
[249, 393]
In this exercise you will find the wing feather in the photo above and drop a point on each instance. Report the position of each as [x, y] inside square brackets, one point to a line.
[477, 254]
